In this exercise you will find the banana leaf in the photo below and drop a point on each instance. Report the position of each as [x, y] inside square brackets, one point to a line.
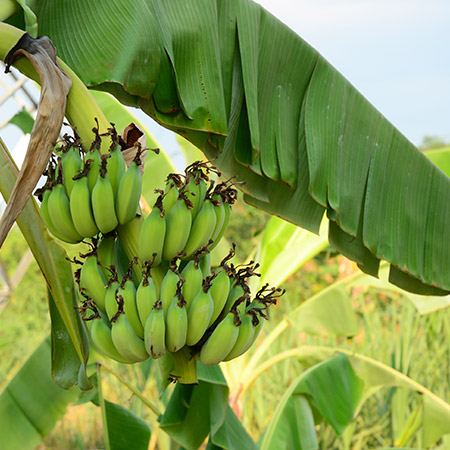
[32, 403]
[248, 91]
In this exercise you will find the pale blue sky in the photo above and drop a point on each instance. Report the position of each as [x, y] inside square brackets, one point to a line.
[395, 52]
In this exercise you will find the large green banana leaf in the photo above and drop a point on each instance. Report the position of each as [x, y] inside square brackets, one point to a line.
[247, 90]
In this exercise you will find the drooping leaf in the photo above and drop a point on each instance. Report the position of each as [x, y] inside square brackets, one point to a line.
[375, 375]
[194, 412]
[293, 427]
[332, 387]
[58, 274]
[423, 304]
[32, 402]
[23, 120]
[126, 429]
[302, 137]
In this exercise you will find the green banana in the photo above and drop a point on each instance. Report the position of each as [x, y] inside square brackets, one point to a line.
[257, 322]
[176, 325]
[220, 287]
[170, 197]
[236, 292]
[219, 210]
[103, 203]
[146, 297]
[48, 220]
[155, 332]
[111, 305]
[116, 167]
[81, 208]
[221, 341]
[151, 237]
[71, 163]
[94, 167]
[129, 192]
[129, 345]
[178, 227]
[226, 221]
[128, 292]
[168, 289]
[93, 282]
[122, 261]
[193, 279]
[106, 254]
[245, 338]
[101, 337]
[199, 316]
[202, 229]
[196, 191]
[59, 210]
[205, 264]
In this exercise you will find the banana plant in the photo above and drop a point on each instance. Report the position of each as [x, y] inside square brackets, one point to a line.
[210, 72]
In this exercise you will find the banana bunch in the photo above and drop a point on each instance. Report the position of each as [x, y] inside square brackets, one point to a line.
[167, 298]
[188, 215]
[209, 313]
[88, 192]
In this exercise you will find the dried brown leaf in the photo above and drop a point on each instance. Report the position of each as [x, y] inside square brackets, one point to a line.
[55, 85]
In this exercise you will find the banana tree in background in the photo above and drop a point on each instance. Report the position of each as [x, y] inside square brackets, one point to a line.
[253, 96]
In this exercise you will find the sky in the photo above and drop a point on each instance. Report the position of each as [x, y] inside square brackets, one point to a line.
[395, 52]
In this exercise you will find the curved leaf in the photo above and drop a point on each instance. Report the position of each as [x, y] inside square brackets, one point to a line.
[436, 412]
[194, 412]
[302, 137]
[332, 387]
[32, 403]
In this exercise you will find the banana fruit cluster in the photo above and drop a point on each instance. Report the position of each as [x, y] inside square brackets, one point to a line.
[188, 216]
[88, 192]
[146, 286]
[209, 313]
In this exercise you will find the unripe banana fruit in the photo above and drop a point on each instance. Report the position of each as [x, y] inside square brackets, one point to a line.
[151, 237]
[71, 163]
[176, 325]
[199, 316]
[129, 345]
[81, 208]
[202, 229]
[221, 341]
[155, 332]
[178, 227]
[103, 202]
[129, 192]
[93, 282]
[193, 278]
[146, 297]
[220, 287]
[245, 338]
[101, 337]
[59, 211]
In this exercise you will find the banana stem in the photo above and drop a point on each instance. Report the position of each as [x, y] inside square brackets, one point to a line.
[102, 403]
[7, 9]
[81, 108]
[185, 367]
